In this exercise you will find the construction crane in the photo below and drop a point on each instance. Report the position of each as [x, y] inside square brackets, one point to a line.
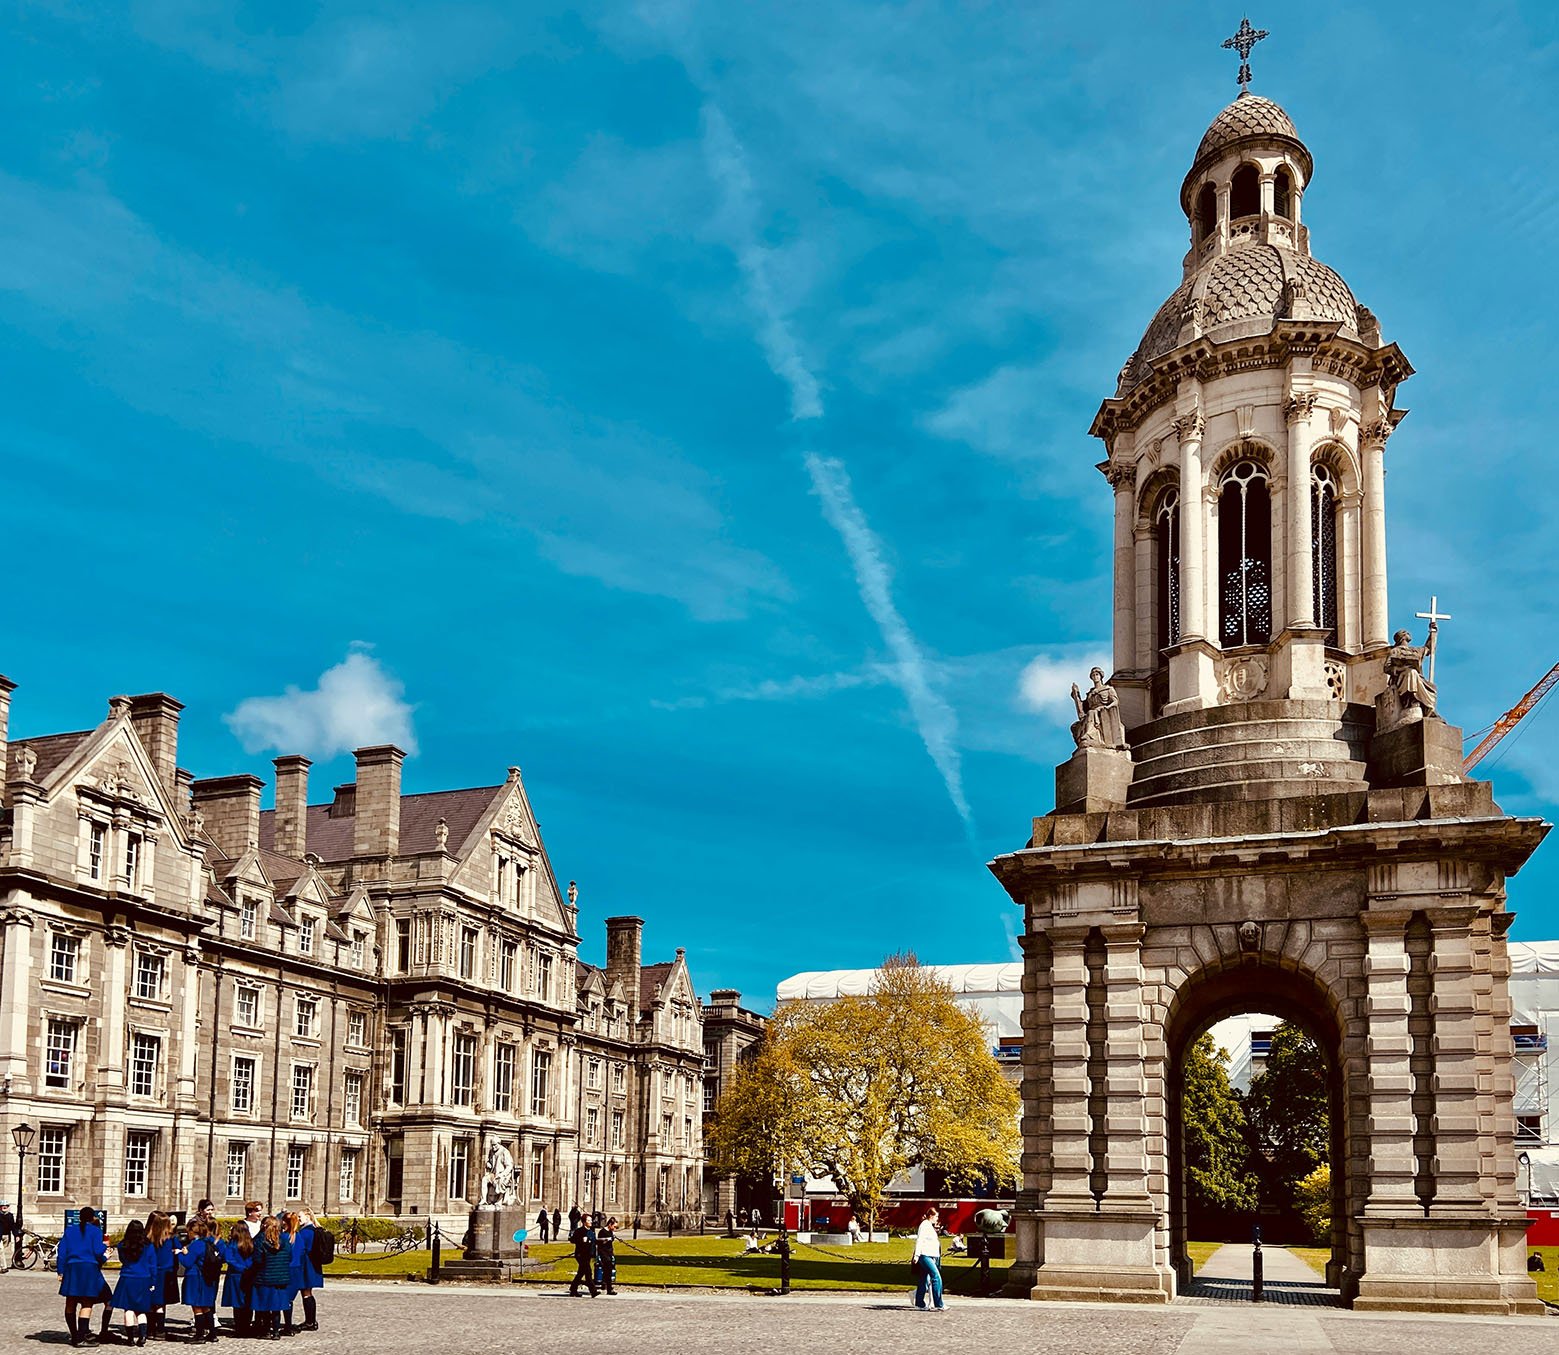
[1511, 718]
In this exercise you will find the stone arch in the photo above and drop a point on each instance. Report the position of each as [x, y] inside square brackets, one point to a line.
[1277, 981]
[1245, 192]
[1151, 495]
[1245, 448]
[1335, 454]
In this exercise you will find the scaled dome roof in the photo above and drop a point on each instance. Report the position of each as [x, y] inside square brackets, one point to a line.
[1248, 115]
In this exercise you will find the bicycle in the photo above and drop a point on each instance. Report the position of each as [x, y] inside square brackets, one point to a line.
[351, 1239]
[31, 1249]
[408, 1239]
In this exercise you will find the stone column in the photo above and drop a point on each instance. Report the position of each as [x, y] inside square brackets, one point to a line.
[1146, 655]
[1268, 185]
[1125, 1078]
[1069, 1122]
[1391, 1125]
[1350, 562]
[1297, 536]
[189, 1036]
[1372, 452]
[1123, 479]
[1193, 600]
[15, 989]
[1457, 1166]
[111, 1053]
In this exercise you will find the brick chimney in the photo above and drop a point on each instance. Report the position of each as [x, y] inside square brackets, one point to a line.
[377, 831]
[230, 807]
[155, 718]
[624, 952]
[6, 688]
[292, 804]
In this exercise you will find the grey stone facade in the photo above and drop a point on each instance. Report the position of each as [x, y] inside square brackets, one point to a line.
[343, 1003]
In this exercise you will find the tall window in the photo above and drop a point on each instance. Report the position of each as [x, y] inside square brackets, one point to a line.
[540, 1078]
[1245, 557]
[506, 957]
[64, 955]
[297, 1160]
[1283, 192]
[248, 919]
[144, 1053]
[1166, 549]
[1206, 212]
[398, 1065]
[544, 975]
[503, 1077]
[359, 949]
[51, 1161]
[538, 1172]
[403, 945]
[592, 1124]
[95, 851]
[59, 1053]
[1323, 548]
[1245, 192]
[459, 1167]
[302, 1090]
[244, 1069]
[306, 1017]
[352, 1100]
[468, 952]
[306, 935]
[613, 1182]
[619, 1077]
[462, 1070]
[617, 1128]
[711, 1095]
[348, 1182]
[138, 1162]
[247, 1006]
[593, 1073]
[149, 970]
[237, 1170]
[132, 861]
[357, 1029]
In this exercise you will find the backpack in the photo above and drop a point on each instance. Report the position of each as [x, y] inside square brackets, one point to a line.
[210, 1265]
[322, 1250]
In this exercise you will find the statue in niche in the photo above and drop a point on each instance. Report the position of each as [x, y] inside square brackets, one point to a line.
[1098, 723]
[1409, 695]
[500, 1183]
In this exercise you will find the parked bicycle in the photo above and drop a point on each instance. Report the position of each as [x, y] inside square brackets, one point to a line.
[32, 1249]
[408, 1239]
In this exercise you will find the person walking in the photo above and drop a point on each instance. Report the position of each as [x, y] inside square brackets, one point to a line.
[543, 1225]
[238, 1287]
[10, 1236]
[273, 1278]
[159, 1236]
[573, 1217]
[606, 1251]
[583, 1238]
[135, 1295]
[927, 1260]
[202, 1269]
[79, 1262]
[307, 1273]
[557, 1225]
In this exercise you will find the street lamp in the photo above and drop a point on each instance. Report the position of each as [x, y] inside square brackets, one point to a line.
[21, 1136]
[1524, 1161]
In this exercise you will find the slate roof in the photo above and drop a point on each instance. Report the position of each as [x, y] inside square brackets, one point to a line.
[51, 750]
[652, 978]
[330, 839]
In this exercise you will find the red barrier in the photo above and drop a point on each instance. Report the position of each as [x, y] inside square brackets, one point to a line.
[1543, 1231]
[833, 1216]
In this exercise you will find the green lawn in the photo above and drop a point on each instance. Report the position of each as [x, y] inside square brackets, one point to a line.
[1547, 1278]
[1314, 1257]
[1200, 1253]
[373, 1263]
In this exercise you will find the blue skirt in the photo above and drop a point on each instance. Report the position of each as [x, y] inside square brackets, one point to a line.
[270, 1298]
[233, 1295]
[138, 1293]
[307, 1275]
[197, 1292]
[81, 1280]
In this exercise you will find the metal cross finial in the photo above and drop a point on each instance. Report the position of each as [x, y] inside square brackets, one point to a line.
[1434, 616]
[1242, 42]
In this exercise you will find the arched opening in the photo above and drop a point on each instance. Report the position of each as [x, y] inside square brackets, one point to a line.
[1323, 547]
[1245, 556]
[1245, 192]
[1206, 212]
[1251, 1150]
[1283, 193]
[1166, 570]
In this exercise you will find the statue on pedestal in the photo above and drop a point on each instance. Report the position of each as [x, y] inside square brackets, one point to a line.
[1409, 695]
[1098, 723]
[500, 1183]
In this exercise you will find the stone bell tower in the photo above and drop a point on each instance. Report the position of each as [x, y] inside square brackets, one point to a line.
[1265, 810]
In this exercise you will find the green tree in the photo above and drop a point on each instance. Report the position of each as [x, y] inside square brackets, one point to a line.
[862, 1088]
[1217, 1154]
[1313, 1197]
[1288, 1107]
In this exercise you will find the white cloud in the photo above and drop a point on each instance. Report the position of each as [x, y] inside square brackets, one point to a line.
[912, 670]
[728, 166]
[356, 705]
[1045, 685]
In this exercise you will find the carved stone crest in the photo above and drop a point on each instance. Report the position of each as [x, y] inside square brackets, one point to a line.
[1243, 679]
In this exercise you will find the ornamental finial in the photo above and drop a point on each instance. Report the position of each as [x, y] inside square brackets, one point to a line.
[1242, 42]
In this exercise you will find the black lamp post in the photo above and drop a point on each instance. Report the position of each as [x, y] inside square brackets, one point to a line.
[21, 1136]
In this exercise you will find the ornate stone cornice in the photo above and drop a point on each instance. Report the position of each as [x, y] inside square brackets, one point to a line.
[1299, 407]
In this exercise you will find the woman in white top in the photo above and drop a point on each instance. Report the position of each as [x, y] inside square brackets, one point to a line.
[927, 1260]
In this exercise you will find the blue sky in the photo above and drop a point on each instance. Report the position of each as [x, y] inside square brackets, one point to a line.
[688, 403]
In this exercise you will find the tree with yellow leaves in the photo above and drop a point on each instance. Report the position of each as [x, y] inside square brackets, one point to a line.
[862, 1088]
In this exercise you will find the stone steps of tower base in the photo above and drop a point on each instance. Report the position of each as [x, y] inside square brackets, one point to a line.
[1250, 788]
[1320, 749]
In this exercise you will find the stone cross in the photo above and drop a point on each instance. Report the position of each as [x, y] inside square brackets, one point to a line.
[1433, 616]
[1242, 42]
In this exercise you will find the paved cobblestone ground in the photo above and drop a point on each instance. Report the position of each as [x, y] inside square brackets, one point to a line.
[369, 1319]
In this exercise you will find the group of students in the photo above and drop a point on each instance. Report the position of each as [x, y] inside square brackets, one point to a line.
[261, 1268]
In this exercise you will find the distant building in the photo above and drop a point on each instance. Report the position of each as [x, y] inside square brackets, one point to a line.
[355, 1004]
[731, 1032]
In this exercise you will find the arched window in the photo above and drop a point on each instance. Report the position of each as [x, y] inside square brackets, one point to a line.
[1283, 193]
[1323, 548]
[1206, 212]
[1245, 556]
[1166, 552]
[1245, 192]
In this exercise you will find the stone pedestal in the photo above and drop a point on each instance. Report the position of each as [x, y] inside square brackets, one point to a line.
[1099, 1256]
[1436, 1265]
[1093, 780]
[1425, 752]
[493, 1250]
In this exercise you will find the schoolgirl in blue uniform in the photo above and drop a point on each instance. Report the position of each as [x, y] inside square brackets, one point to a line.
[159, 1233]
[79, 1262]
[134, 1295]
[199, 1256]
[306, 1276]
[273, 1278]
[238, 1253]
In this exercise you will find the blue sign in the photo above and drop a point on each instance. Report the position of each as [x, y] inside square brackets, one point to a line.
[520, 1234]
[798, 1180]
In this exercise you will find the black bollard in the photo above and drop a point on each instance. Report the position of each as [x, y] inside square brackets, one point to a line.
[635, 1227]
[1255, 1265]
[983, 1254]
[783, 1247]
[433, 1232]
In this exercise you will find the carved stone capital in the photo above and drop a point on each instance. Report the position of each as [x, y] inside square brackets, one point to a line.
[1375, 434]
[1189, 427]
[118, 937]
[1299, 407]
[1120, 474]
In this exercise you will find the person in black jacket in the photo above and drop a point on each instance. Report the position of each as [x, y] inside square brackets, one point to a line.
[573, 1218]
[606, 1249]
[557, 1225]
[543, 1224]
[583, 1238]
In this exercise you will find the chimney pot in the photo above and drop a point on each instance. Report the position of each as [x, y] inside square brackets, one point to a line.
[230, 809]
[377, 831]
[155, 718]
[290, 822]
[6, 688]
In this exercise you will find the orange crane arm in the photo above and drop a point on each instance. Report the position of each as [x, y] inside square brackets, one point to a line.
[1511, 718]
